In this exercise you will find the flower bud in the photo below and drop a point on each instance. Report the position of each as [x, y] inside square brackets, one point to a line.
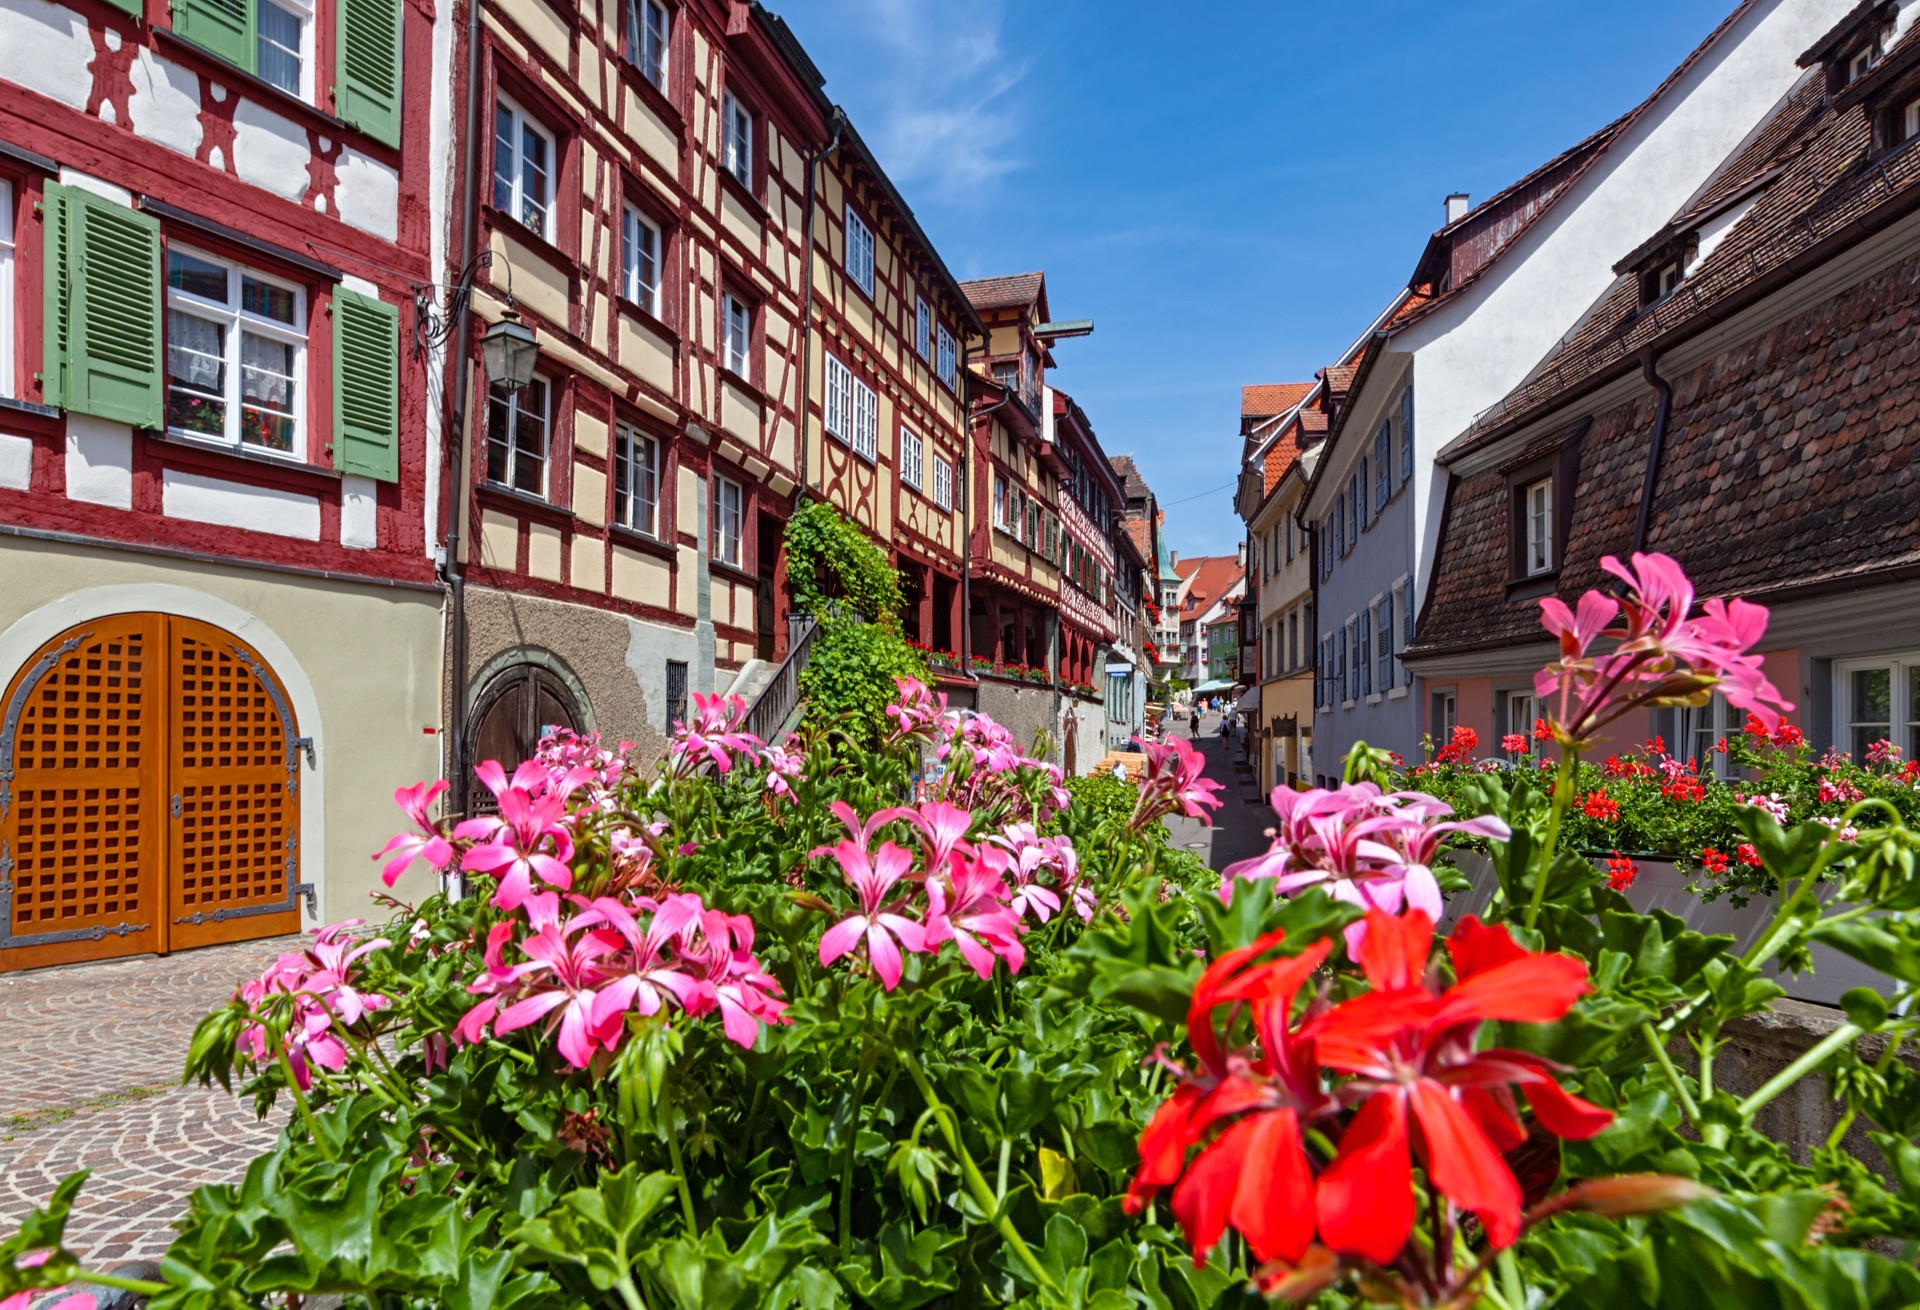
[1631, 1194]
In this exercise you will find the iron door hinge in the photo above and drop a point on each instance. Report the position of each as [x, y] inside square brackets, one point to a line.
[306, 744]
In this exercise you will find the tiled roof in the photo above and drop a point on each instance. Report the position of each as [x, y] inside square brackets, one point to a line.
[1282, 454]
[1816, 181]
[1792, 457]
[1264, 400]
[1129, 474]
[1213, 577]
[1014, 291]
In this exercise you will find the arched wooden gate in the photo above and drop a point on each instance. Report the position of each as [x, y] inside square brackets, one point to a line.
[149, 794]
[516, 709]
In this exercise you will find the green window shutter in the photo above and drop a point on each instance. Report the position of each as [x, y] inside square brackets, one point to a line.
[134, 7]
[113, 316]
[368, 96]
[53, 358]
[366, 386]
[221, 27]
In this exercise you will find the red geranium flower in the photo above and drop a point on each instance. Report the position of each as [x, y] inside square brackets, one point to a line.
[1422, 1087]
[1599, 805]
[1621, 872]
[1541, 732]
[1713, 861]
[1755, 727]
[1514, 743]
[1747, 855]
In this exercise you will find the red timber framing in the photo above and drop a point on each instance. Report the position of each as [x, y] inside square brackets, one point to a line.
[704, 365]
[237, 172]
[1090, 497]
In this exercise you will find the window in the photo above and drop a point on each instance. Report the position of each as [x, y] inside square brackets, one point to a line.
[1406, 434]
[736, 140]
[1383, 642]
[838, 419]
[1293, 641]
[636, 481]
[942, 483]
[1910, 120]
[910, 458]
[1326, 549]
[1539, 510]
[859, 251]
[729, 513]
[736, 324]
[1440, 717]
[676, 691]
[1340, 525]
[945, 365]
[523, 166]
[1362, 648]
[640, 261]
[1382, 468]
[236, 355]
[281, 35]
[1523, 707]
[1290, 534]
[1340, 662]
[517, 437]
[1861, 62]
[1659, 283]
[1356, 514]
[647, 32]
[1692, 731]
[922, 328]
[865, 436]
[1878, 699]
[6, 288]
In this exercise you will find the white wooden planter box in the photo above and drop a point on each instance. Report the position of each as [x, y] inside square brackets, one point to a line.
[1660, 886]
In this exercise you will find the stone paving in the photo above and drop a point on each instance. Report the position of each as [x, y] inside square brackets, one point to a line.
[90, 1060]
[1239, 828]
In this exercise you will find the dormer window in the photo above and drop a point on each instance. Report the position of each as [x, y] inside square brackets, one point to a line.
[1861, 62]
[1660, 282]
[1910, 120]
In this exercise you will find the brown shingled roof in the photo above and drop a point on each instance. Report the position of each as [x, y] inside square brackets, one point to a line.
[1013, 291]
[1129, 474]
[1792, 456]
[1264, 400]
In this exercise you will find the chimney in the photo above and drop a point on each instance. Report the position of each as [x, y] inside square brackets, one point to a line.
[1457, 204]
[1240, 556]
[1173, 559]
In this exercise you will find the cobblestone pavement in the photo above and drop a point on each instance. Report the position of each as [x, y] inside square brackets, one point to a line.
[1239, 829]
[90, 1060]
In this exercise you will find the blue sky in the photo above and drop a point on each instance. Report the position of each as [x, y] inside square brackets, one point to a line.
[1233, 201]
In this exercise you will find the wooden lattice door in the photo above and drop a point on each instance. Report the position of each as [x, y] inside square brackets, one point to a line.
[136, 815]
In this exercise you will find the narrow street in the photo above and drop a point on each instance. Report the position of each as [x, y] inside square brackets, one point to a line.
[90, 1079]
[1239, 828]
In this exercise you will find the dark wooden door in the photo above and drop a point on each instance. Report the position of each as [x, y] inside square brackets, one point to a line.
[515, 711]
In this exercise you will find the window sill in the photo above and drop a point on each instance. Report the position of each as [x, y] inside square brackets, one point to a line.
[1532, 586]
[541, 507]
[621, 534]
[746, 384]
[655, 98]
[650, 319]
[222, 452]
[9, 404]
[537, 242]
[741, 192]
[278, 97]
[1399, 693]
[734, 571]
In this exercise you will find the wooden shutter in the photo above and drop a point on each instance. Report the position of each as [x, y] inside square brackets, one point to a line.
[368, 96]
[113, 315]
[53, 359]
[137, 8]
[366, 381]
[220, 27]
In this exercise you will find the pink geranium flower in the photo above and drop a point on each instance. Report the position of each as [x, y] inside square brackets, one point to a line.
[529, 842]
[886, 931]
[968, 907]
[1174, 780]
[714, 737]
[20, 1300]
[914, 710]
[425, 844]
[564, 966]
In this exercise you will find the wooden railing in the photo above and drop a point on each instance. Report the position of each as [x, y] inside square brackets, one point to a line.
[777, 699]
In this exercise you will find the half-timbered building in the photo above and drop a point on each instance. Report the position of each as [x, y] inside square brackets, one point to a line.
[220, 628]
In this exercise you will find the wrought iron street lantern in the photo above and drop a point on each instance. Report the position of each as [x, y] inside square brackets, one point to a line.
[509, 350]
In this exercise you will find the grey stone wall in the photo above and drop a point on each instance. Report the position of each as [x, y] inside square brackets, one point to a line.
[1021, 710]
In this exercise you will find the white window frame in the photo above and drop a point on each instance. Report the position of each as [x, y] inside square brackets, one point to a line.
[837, 401]
[1518, 710]
[639, 231]
[1692, 731]
[859, 250]
[518, 202]
[726, 548]
[922, 327]
[7, 306]
[736, 334]
[1903, 705]
[633, 477]
[912, 458]
[1537, 502]
[237, 323]
[1443, 707]
[942, 482]
[649, 39]
[865, 437]
[302, 12]
[512, 401]
[946, 364]
[736, 139]
[1861, 62]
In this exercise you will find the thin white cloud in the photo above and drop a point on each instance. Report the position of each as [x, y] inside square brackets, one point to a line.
[945, 89]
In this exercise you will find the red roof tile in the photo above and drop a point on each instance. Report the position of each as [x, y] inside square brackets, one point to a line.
[1266, 399]
[1014, 291]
